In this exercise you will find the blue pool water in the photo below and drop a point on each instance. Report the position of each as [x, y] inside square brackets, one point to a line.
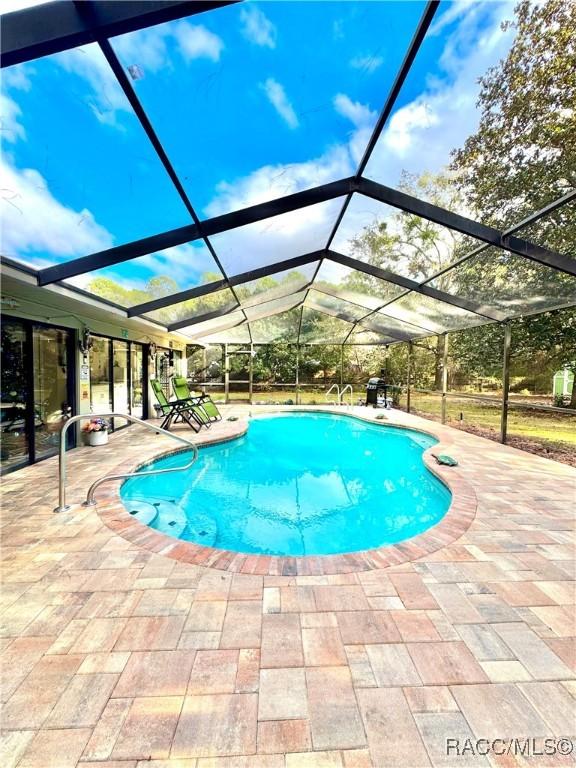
[296, 484]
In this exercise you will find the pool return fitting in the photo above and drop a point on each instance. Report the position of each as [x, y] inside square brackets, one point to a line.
[90, 502]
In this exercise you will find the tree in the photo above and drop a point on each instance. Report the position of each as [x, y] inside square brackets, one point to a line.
[107, 288]
[413, 247]
[522, 157]
[275, 363]
[523, 154]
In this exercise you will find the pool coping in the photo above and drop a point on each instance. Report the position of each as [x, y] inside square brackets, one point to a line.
[452, 526]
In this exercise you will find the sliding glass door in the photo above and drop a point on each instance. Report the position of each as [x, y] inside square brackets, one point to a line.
[15, 395]
[37, 390]
[117, 378]
[52, 387]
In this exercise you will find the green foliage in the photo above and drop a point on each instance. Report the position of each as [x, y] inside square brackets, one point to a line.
[275, 363]
[523, 154]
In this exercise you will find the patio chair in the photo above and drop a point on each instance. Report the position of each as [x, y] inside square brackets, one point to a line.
[183, 392]
[177, 410]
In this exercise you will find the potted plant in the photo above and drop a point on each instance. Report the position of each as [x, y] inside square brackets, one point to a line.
[97, 431]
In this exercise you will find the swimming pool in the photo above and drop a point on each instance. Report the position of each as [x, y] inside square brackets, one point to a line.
[296, 484]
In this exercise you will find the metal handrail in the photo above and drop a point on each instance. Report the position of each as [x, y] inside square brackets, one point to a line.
[348, 386]
[337, 393]
[62, 506]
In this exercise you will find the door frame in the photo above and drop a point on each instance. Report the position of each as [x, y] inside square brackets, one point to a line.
[145, 377]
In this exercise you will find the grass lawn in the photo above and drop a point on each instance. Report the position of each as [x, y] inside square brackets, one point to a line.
[543, 426]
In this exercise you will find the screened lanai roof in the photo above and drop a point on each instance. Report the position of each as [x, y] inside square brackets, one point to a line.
[246, 173]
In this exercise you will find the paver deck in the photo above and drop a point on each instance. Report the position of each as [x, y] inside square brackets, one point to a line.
[120, 650]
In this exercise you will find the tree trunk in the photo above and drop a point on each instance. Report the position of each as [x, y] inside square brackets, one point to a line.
[439, 358]
[572, 403]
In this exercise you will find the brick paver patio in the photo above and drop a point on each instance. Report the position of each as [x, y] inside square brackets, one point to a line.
[119, 652]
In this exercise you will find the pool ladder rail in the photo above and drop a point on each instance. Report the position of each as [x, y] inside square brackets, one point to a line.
[90, 502]
[340, 394]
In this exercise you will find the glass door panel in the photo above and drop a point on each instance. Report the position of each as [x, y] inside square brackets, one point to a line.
[51, 387]
[14, 395]
[100, 394]
[137, 380]
[120, 378]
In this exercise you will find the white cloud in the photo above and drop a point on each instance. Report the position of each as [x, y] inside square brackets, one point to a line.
[367, 64]
[271, 181]
[11, 129]
[183, 263]
[453, 12]
[357, 113]
[288, 235]
[33, 220]
[276, 238]
[17, 77]
[145, 48]
[257, 28]
[197, 42]
[418, 138]
[149, 49]
[419, 115]
[421, 135]
[277, 97]
[106, 98]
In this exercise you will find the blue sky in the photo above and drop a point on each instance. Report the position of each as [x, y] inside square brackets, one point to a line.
[251, 101]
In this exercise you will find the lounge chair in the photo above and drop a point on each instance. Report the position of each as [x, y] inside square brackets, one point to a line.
[177, 410]
[183, 392]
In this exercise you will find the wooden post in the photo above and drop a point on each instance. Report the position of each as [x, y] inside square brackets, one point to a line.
[444, 376]
[505, 382]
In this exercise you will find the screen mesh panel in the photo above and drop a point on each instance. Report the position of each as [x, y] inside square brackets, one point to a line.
[78, 170]
[512, 284]
[355, 286]
[276, 238]
[276, 285]
[399, 242]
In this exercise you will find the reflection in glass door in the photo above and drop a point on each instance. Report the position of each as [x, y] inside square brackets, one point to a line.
[120, 394]
[137, 381]
[100, 395]
[52, 395]
[14, 395]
